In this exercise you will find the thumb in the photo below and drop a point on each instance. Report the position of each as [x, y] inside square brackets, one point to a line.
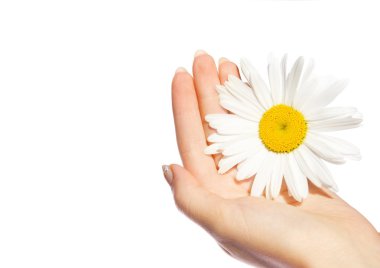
[201, 205]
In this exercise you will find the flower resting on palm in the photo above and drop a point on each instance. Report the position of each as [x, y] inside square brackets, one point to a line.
[276, 132]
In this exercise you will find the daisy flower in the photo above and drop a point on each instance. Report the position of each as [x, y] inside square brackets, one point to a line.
[277, 132]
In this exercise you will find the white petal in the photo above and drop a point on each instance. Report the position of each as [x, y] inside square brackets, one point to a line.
[290, 183]
[249, 166]
[324, 95]
[319, 173]
[239, 144]
[275, 79]
[306, 85]
[257, 83]
[228, 162]
[215, 137]
[229, 124]
[284, 75]
[342, 147]
[213, 149]
[262, 176]
[245, 111]
[277, 175]
[305, 168]
[305, 92]
[293, 81]
[308, 71]
[242, 92]
[268, 194]
[295, 179]
[332, 113]
[337, 123]
[323, 150]
[250, 144]
[221, 89]
[220, 117]
[301, 182]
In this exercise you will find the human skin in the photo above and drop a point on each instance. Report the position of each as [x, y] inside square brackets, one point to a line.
[322, 231]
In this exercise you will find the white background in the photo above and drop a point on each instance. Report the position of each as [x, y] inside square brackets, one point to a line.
[85, 118]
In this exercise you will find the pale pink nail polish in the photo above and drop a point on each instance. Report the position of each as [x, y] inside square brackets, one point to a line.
[222, 60]
[180, 70]
[199, 52]
[168, 174]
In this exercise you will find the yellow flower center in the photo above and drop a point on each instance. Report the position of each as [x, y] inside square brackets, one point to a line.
[282, 129]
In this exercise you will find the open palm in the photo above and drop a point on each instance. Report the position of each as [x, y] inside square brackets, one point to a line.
[321, 230]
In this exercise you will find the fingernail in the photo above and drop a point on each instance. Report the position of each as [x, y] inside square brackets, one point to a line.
[180, 70]
[168, 174]
[221, 60]
[199, 52]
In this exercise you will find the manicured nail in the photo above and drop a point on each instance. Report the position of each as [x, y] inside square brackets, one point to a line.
[168, 174]
[221, 60]
[199, 52]
[180, 70]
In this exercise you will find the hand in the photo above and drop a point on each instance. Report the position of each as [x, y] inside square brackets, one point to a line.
[322, 231]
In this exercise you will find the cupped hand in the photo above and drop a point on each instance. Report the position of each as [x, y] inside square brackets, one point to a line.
[322, 231]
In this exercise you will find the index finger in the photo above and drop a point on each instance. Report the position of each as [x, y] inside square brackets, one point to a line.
[188, 124]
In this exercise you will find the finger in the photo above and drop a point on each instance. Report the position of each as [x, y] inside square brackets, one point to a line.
[196, 202]
[205, 79]
[188, 124]
[227, 68]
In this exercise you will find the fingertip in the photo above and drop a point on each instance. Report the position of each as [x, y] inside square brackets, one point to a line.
[199, 52]
[180, 74]
[180, 70]
[204, 64]
[177, 172]
[222, 60]
[227, 68]
[168, 174]
[174, 167]
[182, 80]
